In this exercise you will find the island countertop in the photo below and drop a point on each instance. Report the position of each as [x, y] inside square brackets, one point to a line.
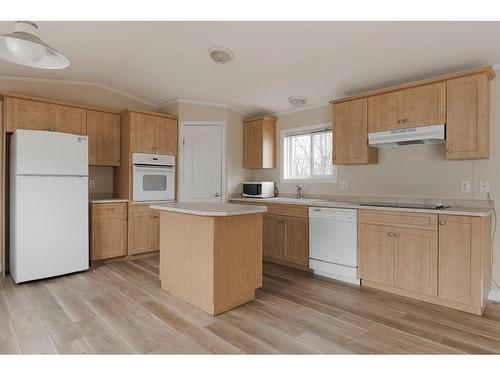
[210, 209]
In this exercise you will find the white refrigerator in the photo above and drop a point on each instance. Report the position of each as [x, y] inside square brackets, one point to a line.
[48, 204]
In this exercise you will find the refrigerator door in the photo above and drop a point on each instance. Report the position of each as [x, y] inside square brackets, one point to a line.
[49, 226]
[37, 152]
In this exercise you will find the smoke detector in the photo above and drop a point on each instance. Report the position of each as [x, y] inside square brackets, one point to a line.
[297, 101]
[220, 55]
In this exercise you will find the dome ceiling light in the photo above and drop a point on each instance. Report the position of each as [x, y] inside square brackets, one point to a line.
[297, 101]
[220, 55]
[23, 47]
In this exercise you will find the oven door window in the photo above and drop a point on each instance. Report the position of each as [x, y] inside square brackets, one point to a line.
[151, 182]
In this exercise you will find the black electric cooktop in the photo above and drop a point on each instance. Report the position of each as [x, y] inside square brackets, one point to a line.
[407, 205]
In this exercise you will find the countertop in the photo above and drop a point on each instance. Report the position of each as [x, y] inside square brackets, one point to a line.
[456, 210]
[210, 209]
[111, 200]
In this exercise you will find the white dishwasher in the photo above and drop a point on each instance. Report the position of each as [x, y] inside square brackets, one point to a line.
[333, 241]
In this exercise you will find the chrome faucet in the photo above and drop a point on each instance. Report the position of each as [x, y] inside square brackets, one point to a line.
[299, 191]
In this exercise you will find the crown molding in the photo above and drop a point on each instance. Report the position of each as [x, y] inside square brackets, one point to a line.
[209, 104]
[82, 83]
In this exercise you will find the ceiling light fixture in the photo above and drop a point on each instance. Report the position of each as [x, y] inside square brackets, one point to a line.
[297, 101]
[23, 47]
[221, 55]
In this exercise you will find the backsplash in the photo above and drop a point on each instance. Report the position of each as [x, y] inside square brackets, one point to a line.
[100, 182]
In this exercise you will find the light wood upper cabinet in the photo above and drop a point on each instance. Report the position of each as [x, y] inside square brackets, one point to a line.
[416, 260]
[376, 253]
[108, 230]
[143, 229]
[385, 111]
[25, 114]
[297, 240]
[103, 130]
[424, 105]
[350, 134]
[166, 136]
[64, 119]
[259, 143]
[142, 133]
[467, 118]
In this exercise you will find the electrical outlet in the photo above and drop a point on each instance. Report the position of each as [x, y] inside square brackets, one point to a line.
[484, 186]
[91, 184]
[465, 186]
[343, 185]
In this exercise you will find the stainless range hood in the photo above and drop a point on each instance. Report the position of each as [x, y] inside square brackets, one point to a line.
[405, 137]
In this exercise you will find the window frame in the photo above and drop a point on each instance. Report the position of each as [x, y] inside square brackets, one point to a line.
[283, 160]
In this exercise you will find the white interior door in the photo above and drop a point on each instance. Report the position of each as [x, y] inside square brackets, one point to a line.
[201, 163]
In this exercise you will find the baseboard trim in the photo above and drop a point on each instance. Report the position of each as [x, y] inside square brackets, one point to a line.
[494, 295]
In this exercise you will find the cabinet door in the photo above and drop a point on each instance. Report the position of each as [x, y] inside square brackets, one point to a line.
[142, 133]
[25, 114]
[103, 130]
[385, 111]
[155, 231]
[376, 253]
[252, 144]
[67, 119]
[297, 240]
[460, 259]
[415, 260]
[424, 105]
[141, 230]
[467, 117]
[350, 134]
[109, 236]
[273, 236]
[166, 136]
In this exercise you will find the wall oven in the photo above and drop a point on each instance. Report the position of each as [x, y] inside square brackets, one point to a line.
[153, 177]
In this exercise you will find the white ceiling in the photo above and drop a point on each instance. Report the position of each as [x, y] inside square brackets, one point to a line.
[161, 61]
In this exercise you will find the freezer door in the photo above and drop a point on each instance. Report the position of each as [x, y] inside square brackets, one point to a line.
[49, 226]
[35, 152]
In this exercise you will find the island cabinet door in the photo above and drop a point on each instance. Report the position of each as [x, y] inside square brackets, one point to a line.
[376, 253]
[415, 260]
[297, 240]
[459, 259]
[273, 236]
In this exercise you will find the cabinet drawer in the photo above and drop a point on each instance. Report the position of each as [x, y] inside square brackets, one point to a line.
[110, 209]
[399, 219]
[138, 208]
[288, 210]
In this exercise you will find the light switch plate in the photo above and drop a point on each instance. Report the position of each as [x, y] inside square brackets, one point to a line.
[343, 185]
[465, 186]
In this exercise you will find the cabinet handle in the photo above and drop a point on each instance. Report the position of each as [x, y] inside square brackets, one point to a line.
[396, 234]
[51, 129]
[449, 150]
[441, 222]
[405, 120]
[390, 234]
[400, 121]
[155, 217]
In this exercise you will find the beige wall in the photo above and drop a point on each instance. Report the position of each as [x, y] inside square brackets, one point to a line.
[414, 171]
[235, 174]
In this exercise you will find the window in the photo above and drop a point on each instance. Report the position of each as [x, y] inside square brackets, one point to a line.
[307, 154]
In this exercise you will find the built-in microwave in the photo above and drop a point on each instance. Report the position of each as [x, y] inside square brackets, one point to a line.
[263, 189]
[153, 177]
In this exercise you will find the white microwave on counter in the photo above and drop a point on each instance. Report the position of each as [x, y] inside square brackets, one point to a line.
[262, 189]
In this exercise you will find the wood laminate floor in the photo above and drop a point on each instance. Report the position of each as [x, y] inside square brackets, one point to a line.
[119, 307]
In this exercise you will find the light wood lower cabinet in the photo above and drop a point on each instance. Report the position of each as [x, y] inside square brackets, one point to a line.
[108, 230]
[285, 239]
[447, 264]
[143, 229]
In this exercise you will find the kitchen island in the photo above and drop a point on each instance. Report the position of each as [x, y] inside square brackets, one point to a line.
[211, 253]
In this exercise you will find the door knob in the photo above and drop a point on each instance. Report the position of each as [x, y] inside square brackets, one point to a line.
[217, 195]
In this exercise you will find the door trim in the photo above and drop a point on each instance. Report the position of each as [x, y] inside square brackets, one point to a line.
[222, 124]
